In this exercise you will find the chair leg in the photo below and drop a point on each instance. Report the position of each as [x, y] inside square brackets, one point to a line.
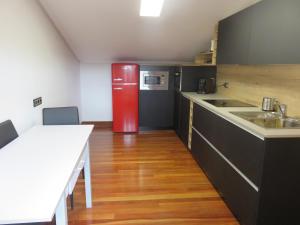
[82, 173]
[72, 200]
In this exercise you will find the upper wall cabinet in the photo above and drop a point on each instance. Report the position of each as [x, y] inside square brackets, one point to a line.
[275, 32]
[234, 38]
[272, 31]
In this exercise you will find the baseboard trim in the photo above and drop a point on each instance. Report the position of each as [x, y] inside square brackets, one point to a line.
[155, 128]
[108, 124]
[99, 124]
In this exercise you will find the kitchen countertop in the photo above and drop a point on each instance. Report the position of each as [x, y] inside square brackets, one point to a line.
[252, 128]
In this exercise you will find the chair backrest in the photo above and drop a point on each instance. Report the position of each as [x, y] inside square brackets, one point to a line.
[8, 133]
[61, 116]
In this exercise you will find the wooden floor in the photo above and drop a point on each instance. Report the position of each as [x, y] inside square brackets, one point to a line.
[144, 179]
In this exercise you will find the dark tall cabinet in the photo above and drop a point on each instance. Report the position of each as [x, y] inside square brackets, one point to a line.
[177, 111]
[182, 123]
[156, 107]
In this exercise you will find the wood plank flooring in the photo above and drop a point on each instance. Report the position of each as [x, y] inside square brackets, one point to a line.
[146, 179]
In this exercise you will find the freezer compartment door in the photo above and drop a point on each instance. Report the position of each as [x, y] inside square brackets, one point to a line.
[125, 108]
[125, 73]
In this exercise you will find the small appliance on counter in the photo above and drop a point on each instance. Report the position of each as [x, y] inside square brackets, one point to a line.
[273, 105]
[268, 104]
[206, 86]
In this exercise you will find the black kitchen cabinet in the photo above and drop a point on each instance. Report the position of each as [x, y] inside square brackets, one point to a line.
[280, 188]
[156, 107]
[190, 75]
[183, 108]
[275, 32]
[234, 38]
[258, 178]
[231, 141]
[237, 193]
[265, 33]
[177, 111]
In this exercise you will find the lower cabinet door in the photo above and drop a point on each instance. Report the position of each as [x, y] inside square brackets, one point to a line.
[177, 112]
[184, 120]
[239, 196]
[243, 149]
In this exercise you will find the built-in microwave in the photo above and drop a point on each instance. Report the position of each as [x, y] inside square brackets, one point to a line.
[154, 80]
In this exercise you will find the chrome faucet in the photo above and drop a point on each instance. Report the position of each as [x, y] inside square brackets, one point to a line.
[281, 108]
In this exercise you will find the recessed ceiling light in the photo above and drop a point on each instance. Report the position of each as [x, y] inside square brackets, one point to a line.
[151, 7]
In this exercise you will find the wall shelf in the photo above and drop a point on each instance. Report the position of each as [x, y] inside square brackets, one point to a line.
[209, 58]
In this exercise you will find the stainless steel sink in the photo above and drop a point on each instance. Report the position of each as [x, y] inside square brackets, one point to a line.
[227, 103]
[269, 119]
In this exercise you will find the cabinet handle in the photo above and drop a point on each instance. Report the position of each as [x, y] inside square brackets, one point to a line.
[118, 79]
[118, 88]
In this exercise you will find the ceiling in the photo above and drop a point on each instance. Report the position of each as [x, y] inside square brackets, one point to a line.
[101, 31]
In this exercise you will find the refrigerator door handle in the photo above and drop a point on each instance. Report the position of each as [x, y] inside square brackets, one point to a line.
[119, 88]
[125, 84]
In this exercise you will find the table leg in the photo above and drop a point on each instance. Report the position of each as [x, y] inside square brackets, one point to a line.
[87, 178]
[61, 214]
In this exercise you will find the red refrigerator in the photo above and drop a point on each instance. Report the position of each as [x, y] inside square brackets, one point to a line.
[125, 93]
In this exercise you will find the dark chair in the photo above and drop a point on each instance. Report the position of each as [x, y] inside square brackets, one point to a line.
[8, 133]
[62, 116]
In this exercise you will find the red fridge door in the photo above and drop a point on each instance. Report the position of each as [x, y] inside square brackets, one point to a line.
[125, 108]
[125, 73]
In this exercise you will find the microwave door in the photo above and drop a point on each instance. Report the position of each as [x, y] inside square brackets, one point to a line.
[157, 80]
[152, 80]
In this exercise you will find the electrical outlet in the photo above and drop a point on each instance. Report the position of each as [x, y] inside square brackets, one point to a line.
[37, 102]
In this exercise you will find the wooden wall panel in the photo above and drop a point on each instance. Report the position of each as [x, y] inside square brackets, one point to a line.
[252, 83]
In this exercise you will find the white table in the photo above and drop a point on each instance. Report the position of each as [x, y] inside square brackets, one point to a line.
[37, 172]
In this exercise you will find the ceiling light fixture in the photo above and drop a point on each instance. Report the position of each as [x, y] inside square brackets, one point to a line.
[151, 7]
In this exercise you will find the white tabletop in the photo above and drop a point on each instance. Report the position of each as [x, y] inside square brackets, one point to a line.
[35, 170]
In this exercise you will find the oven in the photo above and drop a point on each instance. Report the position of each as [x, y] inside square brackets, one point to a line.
[154, 80]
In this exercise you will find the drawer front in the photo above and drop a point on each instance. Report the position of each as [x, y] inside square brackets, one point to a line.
[240, 197]
[243, 149]
[211, 166]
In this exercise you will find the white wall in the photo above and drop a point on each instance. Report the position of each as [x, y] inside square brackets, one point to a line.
[34, 62]
[96, 95]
